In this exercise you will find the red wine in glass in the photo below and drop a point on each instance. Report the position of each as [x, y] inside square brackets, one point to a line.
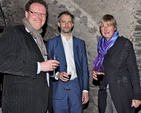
[69, 76]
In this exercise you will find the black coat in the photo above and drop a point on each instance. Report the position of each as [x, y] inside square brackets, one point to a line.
[121, 73]
[24, 91]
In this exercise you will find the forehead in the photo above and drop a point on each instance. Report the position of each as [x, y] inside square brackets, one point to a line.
[37, 6]
[65, 17]
[106, 23]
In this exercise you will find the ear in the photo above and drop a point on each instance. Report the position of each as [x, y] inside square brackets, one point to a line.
[115, 28]
[58, 23]
[73, 24]
[26, 14]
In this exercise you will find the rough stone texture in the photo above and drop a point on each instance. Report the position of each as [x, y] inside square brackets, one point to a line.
[87, 15]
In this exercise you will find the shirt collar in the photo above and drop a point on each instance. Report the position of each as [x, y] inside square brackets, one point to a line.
[64, 38]
[27, 30]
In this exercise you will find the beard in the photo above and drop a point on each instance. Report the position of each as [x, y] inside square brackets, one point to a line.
[66, 30]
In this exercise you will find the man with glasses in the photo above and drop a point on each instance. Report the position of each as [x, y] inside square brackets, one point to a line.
[23, 60]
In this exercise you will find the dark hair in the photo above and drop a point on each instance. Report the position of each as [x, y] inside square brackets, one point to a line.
[27, 6]
[66, 13]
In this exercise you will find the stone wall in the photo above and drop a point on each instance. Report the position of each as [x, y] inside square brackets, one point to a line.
[87, 15]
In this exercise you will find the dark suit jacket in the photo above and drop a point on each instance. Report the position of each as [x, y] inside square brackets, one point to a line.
[123, 79]
[55, 46]
[24, 91]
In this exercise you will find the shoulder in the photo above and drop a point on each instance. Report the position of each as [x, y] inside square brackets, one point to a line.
[54, 38]
[13, 28]
[12, 31]
[52, 41]
[125, 43]
[122, 40]
[78, 39]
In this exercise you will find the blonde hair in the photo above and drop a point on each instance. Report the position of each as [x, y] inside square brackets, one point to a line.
[109, 19]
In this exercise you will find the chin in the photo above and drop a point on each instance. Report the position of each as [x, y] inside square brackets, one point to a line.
[37, 28]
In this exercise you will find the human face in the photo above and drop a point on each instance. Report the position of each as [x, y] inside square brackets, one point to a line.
[107, 30]
[36, 15]
[65, 24]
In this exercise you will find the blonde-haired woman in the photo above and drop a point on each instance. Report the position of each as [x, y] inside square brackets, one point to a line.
[119, 88]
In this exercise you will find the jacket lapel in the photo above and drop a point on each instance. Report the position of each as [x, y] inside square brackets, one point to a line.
[31, 41]
[75, 49]
[61, 53]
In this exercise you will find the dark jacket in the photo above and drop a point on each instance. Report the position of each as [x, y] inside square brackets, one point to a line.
[122, 75]
[24, 91]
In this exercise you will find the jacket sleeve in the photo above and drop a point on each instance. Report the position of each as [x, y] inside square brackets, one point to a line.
[133, 72]
[85, 68]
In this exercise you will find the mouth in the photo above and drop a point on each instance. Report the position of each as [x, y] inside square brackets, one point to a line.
[38, 21]
[106, 33]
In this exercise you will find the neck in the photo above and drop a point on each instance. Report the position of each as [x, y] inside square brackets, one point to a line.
[67, 35]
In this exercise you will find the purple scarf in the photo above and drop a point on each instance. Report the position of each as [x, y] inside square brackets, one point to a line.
[103, 47]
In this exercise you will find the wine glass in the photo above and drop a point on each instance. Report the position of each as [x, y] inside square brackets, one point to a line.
[67, 84]
[69, 74]
[54, 57]
[99, 72]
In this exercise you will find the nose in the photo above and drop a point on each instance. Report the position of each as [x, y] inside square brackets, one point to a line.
[106, 27]
[39, 16]
[66, 23]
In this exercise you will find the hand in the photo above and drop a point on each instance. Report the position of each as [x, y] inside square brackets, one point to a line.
[49, 65]
[95, 73]
[85, 97]
[135, 103]
[63, 76]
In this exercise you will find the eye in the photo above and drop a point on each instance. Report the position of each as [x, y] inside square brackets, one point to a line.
[62, 21]
[109, 25]
[69, 22]
[35, 13]
[101, 26]
[44, 15]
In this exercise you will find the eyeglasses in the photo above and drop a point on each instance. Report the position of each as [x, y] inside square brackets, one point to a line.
[37, 14]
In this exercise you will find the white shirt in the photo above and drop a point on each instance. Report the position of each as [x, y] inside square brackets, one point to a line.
[68, 48]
